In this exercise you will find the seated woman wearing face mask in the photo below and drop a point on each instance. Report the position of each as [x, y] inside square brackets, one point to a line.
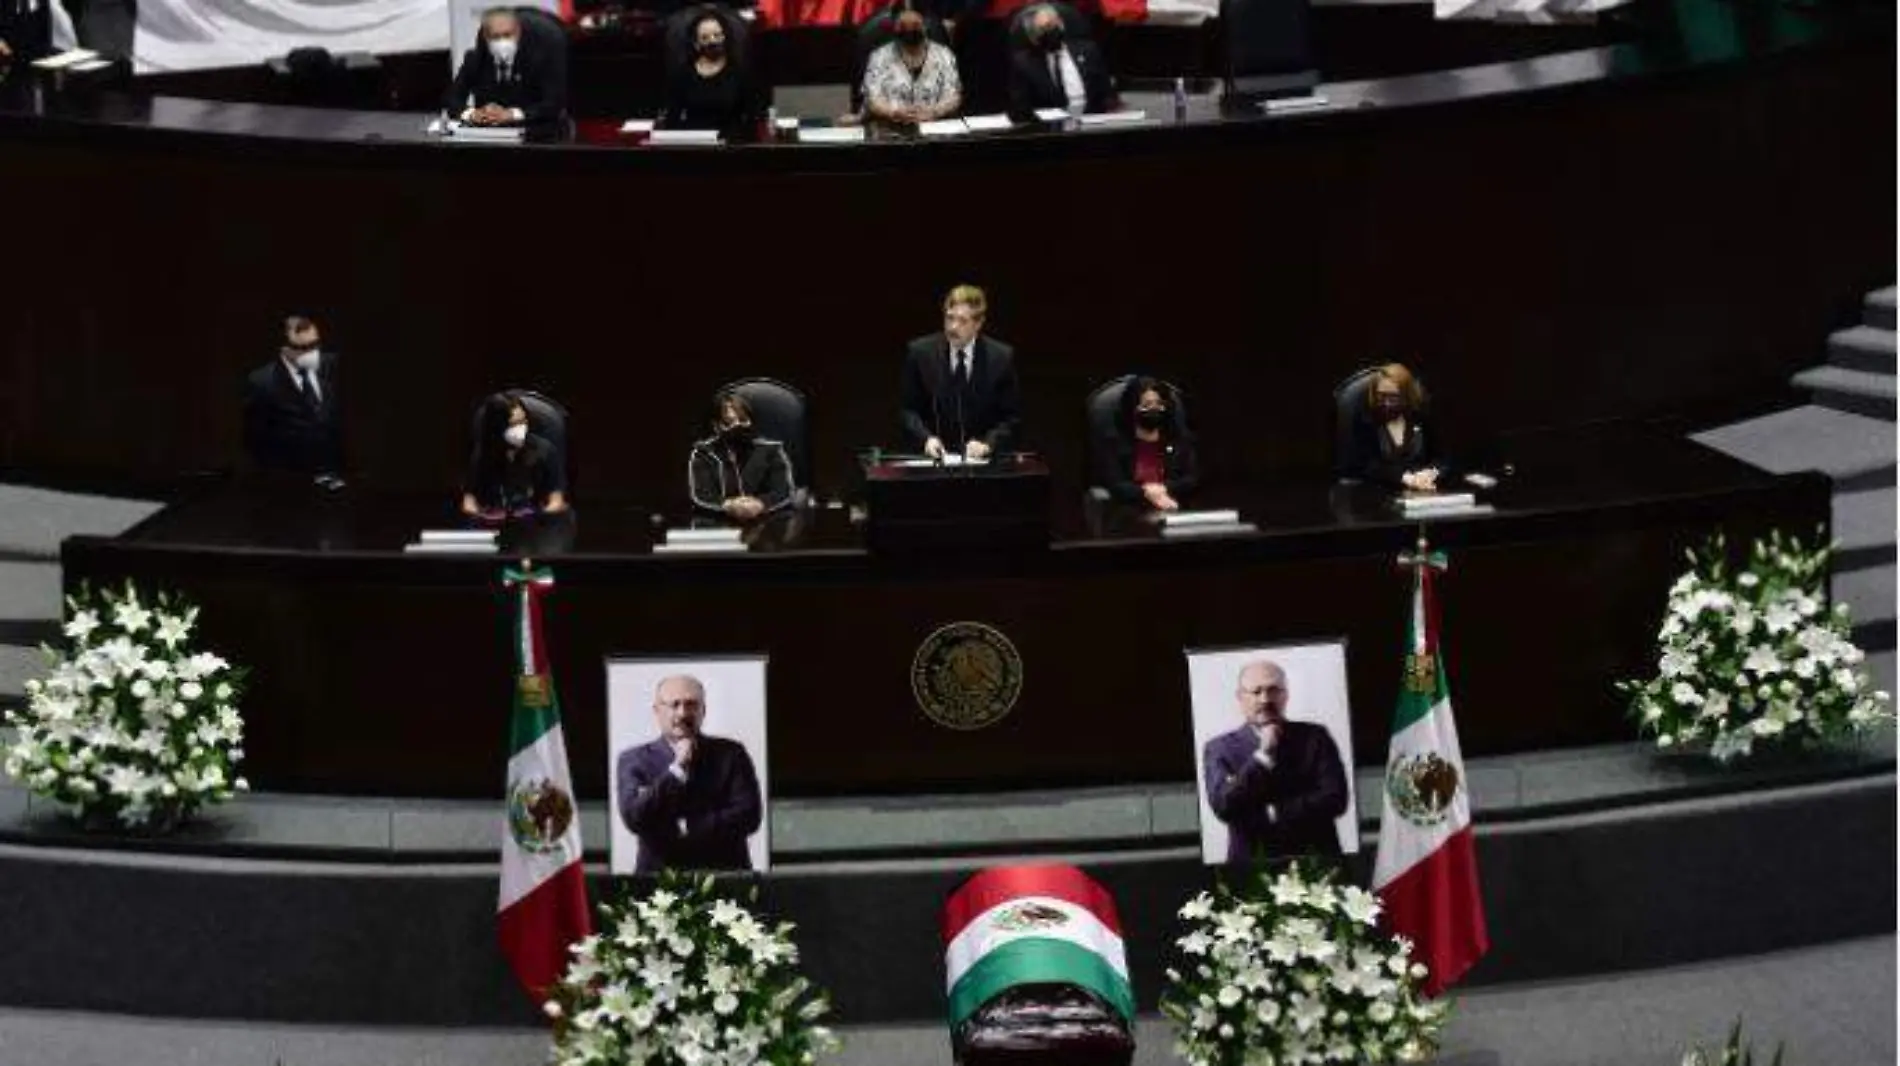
[1393, 442]
[1147, 457]
[713, 91]
[512, 473]
[910, 79]
[735, 472]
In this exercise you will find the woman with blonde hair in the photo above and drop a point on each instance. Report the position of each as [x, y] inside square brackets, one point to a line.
[1393, 442]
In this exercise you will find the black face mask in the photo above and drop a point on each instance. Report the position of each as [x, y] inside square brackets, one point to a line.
[739, 434]
[910, 38]
[712, 49]
[1051, 39]
[1151, 417]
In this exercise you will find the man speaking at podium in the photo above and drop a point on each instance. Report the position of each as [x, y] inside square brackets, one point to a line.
[960, 392]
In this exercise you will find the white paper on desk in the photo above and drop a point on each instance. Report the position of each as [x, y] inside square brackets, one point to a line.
[704, 535]
[459, 536]
[943, 127]
[90, 65]
[1201, 518]
[637, 125]
[66, 59]
[1296, 103]
[786, 125]
[1114, 118]
[988, 123]
[830, 134]
[1052, 114]
[684, 137]
[948, 460]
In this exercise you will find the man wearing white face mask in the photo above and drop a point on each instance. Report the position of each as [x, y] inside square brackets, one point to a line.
[292, 415]
[515, 75]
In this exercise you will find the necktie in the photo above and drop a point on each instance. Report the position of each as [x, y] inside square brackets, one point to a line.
[309, 379]
[962, 373]
[506, 73]
[1055, 75]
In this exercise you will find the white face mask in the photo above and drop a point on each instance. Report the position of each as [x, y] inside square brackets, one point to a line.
[503, 49]
[515, 435]
[308, 360]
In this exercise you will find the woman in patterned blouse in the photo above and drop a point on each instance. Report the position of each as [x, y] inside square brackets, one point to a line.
[911, 79]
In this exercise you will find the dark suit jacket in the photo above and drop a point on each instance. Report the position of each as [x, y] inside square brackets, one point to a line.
[763, 470]
[24, 31]
[1307, 788]
[719, 802]
[1032, 87]
[991, 411]
[282, 430]
[537, 83]
[1115, 465]
[1371, 455]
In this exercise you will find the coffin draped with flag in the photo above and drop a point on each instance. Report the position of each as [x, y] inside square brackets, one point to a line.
[543, 903]
[1035, 964]
[1426, 874]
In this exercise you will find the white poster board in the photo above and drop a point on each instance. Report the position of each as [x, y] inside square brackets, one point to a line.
[1316, 693]
[733, 710]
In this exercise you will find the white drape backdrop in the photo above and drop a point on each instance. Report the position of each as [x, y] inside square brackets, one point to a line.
[195, 34]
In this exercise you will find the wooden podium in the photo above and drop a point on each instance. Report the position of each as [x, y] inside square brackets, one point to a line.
[915, 505]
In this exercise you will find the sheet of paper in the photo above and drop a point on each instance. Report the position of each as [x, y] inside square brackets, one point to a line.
[786, 125]
[66, 59]
[1052, 114]
[637, 125]
[1114, 118]
[988, 123]
[683, 137]
[831, 134]
[948, 127]
[90, 65]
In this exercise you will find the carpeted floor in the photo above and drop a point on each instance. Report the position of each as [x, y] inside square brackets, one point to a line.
[1833, 1005]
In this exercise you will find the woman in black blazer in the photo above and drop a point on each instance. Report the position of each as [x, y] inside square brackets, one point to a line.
[1147, 456]
[1393, 441]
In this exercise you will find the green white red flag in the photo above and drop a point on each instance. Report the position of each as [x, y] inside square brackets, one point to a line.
[543, 903]
[1021, 925]
[1426, 874]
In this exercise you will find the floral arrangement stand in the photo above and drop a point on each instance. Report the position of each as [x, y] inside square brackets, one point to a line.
[131, 729]
[1752, 660]
[1293, 970]
[1036, 970]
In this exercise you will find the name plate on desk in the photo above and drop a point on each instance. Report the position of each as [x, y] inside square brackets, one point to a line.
[1185, 519]
[949, 127]
[988, 123]
[452, 547]
[830, 134]
[947, 460]
[1440, 505]
[637, 125]
[457, 536]
[706, 535]
[677, 138]
[709, 547]
[485, 134]
[1113, 118]
[1289, 104]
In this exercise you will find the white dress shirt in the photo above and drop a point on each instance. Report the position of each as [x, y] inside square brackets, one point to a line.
[1064, 72]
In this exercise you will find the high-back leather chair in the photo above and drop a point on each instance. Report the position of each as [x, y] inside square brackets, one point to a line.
[781, 412]
[1349, 405]
[1104, 406]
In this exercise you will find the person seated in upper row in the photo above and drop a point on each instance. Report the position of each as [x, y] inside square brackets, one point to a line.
[959, 391]
[1148, 456]
[1392, 442]
[511, 77]
[1054, 65]
[911, 79]
[512, 471]
[735, 472]
[712, 88]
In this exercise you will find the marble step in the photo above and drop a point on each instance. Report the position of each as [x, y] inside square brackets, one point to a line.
[1854, 391]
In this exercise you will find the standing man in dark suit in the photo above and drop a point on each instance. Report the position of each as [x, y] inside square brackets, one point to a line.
[1278, 785]
[960, 392]
[516, 75]
[692, 799]
[293, 418]
[1057, 70]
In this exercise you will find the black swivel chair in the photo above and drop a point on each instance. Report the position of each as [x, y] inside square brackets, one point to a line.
[1104, 406]
[547, 419]
[874, 33]
[782, 413]
[1349, 405]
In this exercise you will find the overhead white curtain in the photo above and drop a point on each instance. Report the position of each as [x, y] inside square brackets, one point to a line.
[196, 34]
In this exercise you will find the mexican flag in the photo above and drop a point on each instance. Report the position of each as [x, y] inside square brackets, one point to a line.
[1427, 870]
[543, 904]
[1022, 925]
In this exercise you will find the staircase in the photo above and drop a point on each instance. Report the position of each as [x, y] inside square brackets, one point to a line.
[33, 521]
[1846, 432]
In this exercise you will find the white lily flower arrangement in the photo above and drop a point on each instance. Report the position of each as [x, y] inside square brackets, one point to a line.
[132, 724]
[686, 977]
[1296, 972]
[1755, 658]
